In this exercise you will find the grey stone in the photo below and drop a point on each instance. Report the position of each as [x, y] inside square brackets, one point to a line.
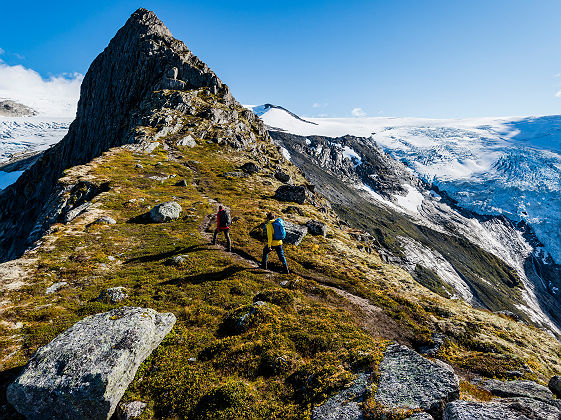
[9, 108]
[75, 212]
[250, 168]
[187, 141]
[139, 166]
[408, 380]
[53, 288]
[345, 405]
[554, 385]
[294, 210]
[165, 212]
[516, 388]
[106, 220]
[438, 341]
[283, 177]
[113, 295]
[234, 174]
[420, 416]
[294, 193]
[84, 372]
[316, 228]
[178, 260]
[130, 410]
[182, 183]
[294, 233]
[502, 409]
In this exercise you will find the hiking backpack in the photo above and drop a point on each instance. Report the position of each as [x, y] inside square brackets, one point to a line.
[279, 233]
[225, 219]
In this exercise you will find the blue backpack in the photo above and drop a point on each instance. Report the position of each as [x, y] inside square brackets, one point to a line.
[279, 233]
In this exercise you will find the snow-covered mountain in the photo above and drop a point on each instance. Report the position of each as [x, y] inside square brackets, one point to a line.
[500, 166]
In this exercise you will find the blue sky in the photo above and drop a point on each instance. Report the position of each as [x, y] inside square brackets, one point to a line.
[378, 58]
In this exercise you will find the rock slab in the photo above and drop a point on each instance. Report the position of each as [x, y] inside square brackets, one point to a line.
[502, 409]
[294, 233]
[517, 388]
[344, 405]
[554, 385]
[84, 372]
[408, 380]
[165, 212]
[292, 193]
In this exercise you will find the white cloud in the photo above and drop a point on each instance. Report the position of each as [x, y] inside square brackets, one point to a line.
[316, 105]
[558, 94]
[56, 96]
[319, 105]
[358, 112]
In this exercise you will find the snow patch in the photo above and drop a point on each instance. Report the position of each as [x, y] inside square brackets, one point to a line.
[410, 202]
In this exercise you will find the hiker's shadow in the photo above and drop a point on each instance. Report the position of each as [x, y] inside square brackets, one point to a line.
[164, 255]
[206, 277]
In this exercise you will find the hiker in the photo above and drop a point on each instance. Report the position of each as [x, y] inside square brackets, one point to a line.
[274, 230]
[223, 222]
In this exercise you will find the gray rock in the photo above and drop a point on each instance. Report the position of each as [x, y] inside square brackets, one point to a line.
[187, 141]
[113, 295]
[165, 212]
[554, 385]
[408, 380]
[53, 288]
[250, 168]
[182, 183]
[130, 410]
[438, 341]
[283, 177]
[345, 405]
[294, 210]
[235, 174]
[139, 166]
[501, 409]
[75, 212]
[84, 372]
[9, 108]
[106, 220]
[178, 260]
[294, 233]
[294, 193]
[516, 388]
[420, 416]
[316, 228]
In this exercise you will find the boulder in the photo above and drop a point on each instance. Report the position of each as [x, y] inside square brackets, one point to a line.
[182, 183]
[294, 233]
[250, 168]
[54, 287]
[112, 295]
[187, 141]
[316, 228]
[345, 405]
[517, 388]
[84, 372]
[234, 174]
[420, 416]
[130, 410]
[293, 193]
[554, 385]
[106, 220]
[283, 177]
[75, 212]
[438, 340]
[165, 212]
[501, 409]
[408, 380]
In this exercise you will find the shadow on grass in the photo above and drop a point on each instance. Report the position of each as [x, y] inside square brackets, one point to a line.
[168, 254]
[205, 277]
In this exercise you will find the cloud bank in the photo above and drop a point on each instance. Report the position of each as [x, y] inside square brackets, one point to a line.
[56, 96]
[358, 112]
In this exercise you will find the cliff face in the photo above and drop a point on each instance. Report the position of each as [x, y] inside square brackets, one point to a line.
[121, 90]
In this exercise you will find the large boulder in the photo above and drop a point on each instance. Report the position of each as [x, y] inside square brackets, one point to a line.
[84, 372]
[165, 212]
[408, 380]
[316, 228]
[293, 193]
[250, 168]
[516, 388]
[345, 405]
[294, 233]
[113, 295]
[554, 385]
[501, 409]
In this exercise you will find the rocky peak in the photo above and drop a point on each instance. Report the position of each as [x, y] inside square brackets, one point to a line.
[144, 87]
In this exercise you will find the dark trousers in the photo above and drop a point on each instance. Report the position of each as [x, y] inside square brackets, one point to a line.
[227, 235]
[280, 253]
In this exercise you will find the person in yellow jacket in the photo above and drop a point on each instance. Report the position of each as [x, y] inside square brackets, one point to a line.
[275, 244]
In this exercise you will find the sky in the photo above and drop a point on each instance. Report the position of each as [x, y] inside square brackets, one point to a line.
[403, 58]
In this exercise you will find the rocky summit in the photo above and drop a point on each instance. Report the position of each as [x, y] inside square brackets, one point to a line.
[116, 298]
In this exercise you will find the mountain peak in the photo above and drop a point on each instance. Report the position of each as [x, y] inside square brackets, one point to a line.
[144, 21]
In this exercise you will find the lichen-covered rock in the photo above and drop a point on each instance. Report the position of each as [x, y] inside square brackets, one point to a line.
[250, 168]
[293, 193]
[294, 233]
[420, 416]
[517, 388]
[316, 228]
[106, 220]
[130, 410]
[554, 385]
[283, 177]
[345, 405]
[84, 372]
[113, 295]
[75, 212]
[408, 380]
[187, 141]
[502, 409]
[165, 212]
[54, 287]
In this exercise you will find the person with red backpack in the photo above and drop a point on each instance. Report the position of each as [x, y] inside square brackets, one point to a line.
[275, 233]
[223, 222]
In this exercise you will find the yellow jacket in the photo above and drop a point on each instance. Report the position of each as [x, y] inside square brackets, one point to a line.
[270, 230]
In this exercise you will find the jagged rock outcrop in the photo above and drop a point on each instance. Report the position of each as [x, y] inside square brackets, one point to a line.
[144, 88]
[9, 108]
[84, 372]
[408, 380]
